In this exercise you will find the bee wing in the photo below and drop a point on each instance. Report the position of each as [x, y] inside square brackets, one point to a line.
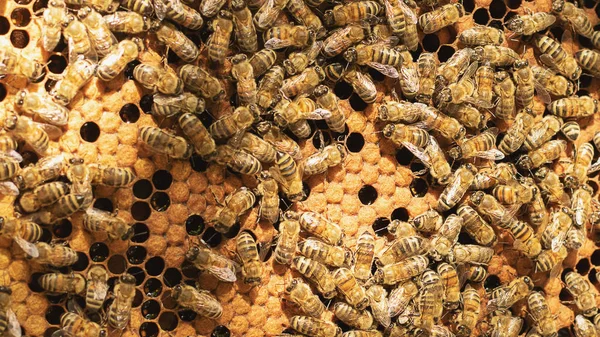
[542, 92]
[332, 45]
[410, 77]
[454, 187]
[293, 81]
[396, 303]
[386, 70]
[549, 61]
[492, 154]
[14, 328]
[11, 157]
[100, 290]
[51, 163]
[99, 214]
[74, 55]
[54, 114]
[8, 188]
[501, 301]
[558, 241]
[479, 102]
[266, 13]
[274, 43]
[28, 247]
[381, 311]
[319, 114]
[168, 100]
[53, 132]
[160, 8]
[419, 153]
[221, 272]
[594, 167]
[408, 12]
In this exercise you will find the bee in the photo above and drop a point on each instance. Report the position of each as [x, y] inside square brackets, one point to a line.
[449, 71]
[380, 57]
[538, 214]
[245, 32]
[342, 39]
[282, 143]
[589, 60]
[99, 33]
[165, 143]
[506, 325]
[401, 271]
[289, 176]
[503, 297]
[156, 79]
[9, 325]
[555, 84]
[23, 232]
[582, 327]
[42, 196]
[574, 107]
[516, 193]
[330, 156]
[210, 8]
[80, 43]
[320, 227]
[326, 99]
[326, 254]
[360, 319]
[457, 187]
[473, 254]
[441, 17]
[120, 310]
[80, 176]
[482, 145]
[262, 61]
[545, 154]
[447, 127]
[96, 220]
[241, 119]
[294, 115]
[242, 72]
[575, 238]
[409, 77]
[147, 8]
[401, 229]
[428, 222]
[427, 65]
[443, 240]
[75, 76]
[484, 82]
[197, 80]
[299, 293]
[577, 18]
[571, 130]
[525, 239]
[578, 171]
[402, 248]
[488, 206]
[9, 168]
[476, 227]
[469, 316]
[365, 251]
[476, 273]
[315, 327]
[218, 43]
[115, 62]
[268, 87]
[530, 24]
[555, 232]
[214, 263]
[43, 107]
[401, 296]
[505, 89]
[581, 205]
[450, 280]
[236, 204]
[46, 169]
[353, 12]
[184, 103]
[304, 83]
[269, 203]
[128, 22]
[64, 207]
[549, 260]
[540, 312]
[286, 35]
[481, 36]
[298, 61]
[52, 19]
[348, 286]
[305, 16]
[73, 324]
[526, 84]
[435, 160]
[63, 283]
[287, 240]
[430, 300]
[184, 48]
[468, 115]
[516, 134]
[556, 57]
[462, 91]
[585, 298]
[316, 273]
[97, 288]
[54, 255]
[267, 14]
[379, 304]
[496, 56]
[200, 301]
[183, 15]
[401, 111]
[198, 136]
[542, 132]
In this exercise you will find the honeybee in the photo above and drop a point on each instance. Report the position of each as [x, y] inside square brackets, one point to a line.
[581, 205]
[210, 8]
[75, 76]
[238, 121]
[305, 16]
[41, 196]
[165, 143]
[515, 193]
[120, 310]
[294, 115]
[462, 91]
[585, 298]
[353, 12]
[380, 57]
[183, 14]
[401, 111]
[52, 19]
[269, 203]
[147, 8]
[571, 130]
[469, 316]
[582, 327]
[589, 60]
[115, 62]
[236, 204]
[537, 211]
[184, 103]
[341, 39]
[554, 56]
[289, 176]
[505, 89]
[545, 154]
[363, 256]
[434, 159]
[447, 127]
[348, 286]
[472, 254]
[555, 232]
[482, 145]
[63, 283]
[54, 255]
[525, 239]
[490, 207]
[316, 273]
[286, 35]
[542, 132]
[506, 325]
[450, 281]
[61, 209]
[457, 187]
[379, 304]
[409, 77]
[320, 227]
[299, 293]
[243, 73]
[200, 301]
[183, 47]
[476, 227]
[99, 33]
[325, 254]
[530, 24]
[402, 248]
[540, 312]
[575, 238]
[315, 327]
[441, 17]
[555, 84]
[97, 288]
[526, 84]
[96, 220]
[198, 136]
[9, 168]
[35, 104]
[443, 240]
[287, 240]
[481, 36]
[402, 271]
[268, 87]
[262, 61]
[549, 260]
[429, 221]
[400, 229]
[578, 171]
[429, 301]
[47, 168]
[326, 99]
[36, 135]
[128, 22]
[330, 156]
[577, 18]
[298, 61]
[214, 263]
[80, 44]
[496, 56]
[574, 107]
[517, 132]
[427, 65]
[282, 143]
[304, 83]
[9, 325]
[503, 297]
[449, 71]
[360, 319]
[267, 14]
[476, 273]
[245, 32]
[401, 296]
[156, 79]
[197, 80]
[24, 233]
[73, 324]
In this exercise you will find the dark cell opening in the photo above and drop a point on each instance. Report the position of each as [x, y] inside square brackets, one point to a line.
[138, 273]
[596, 257]
[380, 226]
[564, 332]
[497, 9]
[168, 321]
[469, 5]
[104, 204]
[117, 264]
[140, 210]
[62, 228]
[39, 4]
[129, 68]
[198, 164]
[194, 225]
[49, 85]
[233, 99]
[418, 168]
[508, 16]
[4, 25]
[583, 266]
[146, 103]
[99, 251]
[61, 45]
[141, 233]
[404, 156]
[565, 295]
[154, 266]
[82, 262]
[167, 301]
[137, 299]
[355, 142]
[150, 309]
[49, 332]
[142, 189]
[152, 287]
[187, 315]
[466, 239]
[400, 214]
[172, 277]
[592, 277]
[136, 254]
[111, 286]
[514, 4]
[46, 235]
[19, 38]
[582, 93]
[585, 81]
[376, 75]
[220, 331]
[129, 113]
[491, 282]
[418, 187]
[585, 42]
[162, 179]
[589, 3]
[160, 201]
[206, 119]
[28, 158]
[33, 284]
[189, 270]
[2, 92]
[594, 186]
[306, 190]
[565, 272]
[316, 140]
[524, 327]
[481, 17]
[233, 231]
[89, 132]
[342, 90]
[53, 314]
[357, 103]
[416, 53]
[557, 32]
[57, 64]
[211, 237]
[431, 43]
[367, 195]
[496, 24]
[56, 299]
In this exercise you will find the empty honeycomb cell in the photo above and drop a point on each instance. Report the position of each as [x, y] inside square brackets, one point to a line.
[367, 195]
[20, 17]
[2, 92]
[99, 251]
[155, 266]
[316, 140]
[138, 273]
[160, 201]
[557, 32]
[4, 25]
[357, 103]
[33, 283]
[89, 132]
[117, 264]
[491, 282]
[497, 9]
[142, 189]
[162, 179]
[187, 315]
[49, 85]
[152, 287]
[380, 226]
[585, 81]
[431, 43]
[146, 103]
[82, 262]
[564, 332]
[496, 24]
[418, 187]
[481, 16]
[46, 235]
[376, 75]
[129, 113]
[141, 233]
[53, 314]
[597, 10]
[140, 210]
[172, 277]
[583, 266]
[404, 156]
[355, 142]
[592, 277]
[595, 258]
[62, 229]
[198, 164]
[342, 90]
[128, 71]
[168, 320]
[19, 38]
[194, 224]
[136, 254]
[149, 329]
[233, 231]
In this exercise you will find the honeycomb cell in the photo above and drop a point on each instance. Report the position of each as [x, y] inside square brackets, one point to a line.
[141, 233]
[49, 85]
[146, 103]
[149, 329]
[355, 142]
[380, 226]
[595, 258]
[128, 71]
[136, 254]
[46, 235]
[172, 277]
[155, 266]
[564, 332]
[168, 321]
[4, 25]
[162, 179]
[53, 314]
[62, 229]
[117, 264]
[481, 16]
[99, 251]
[198, 164]
[357, 103]
[50, 331]
[233, 231]
[376, 75]
[82, 262]
[418, 168]
[497, 9]
[491, 282]
[367, 195]
[187, 315]
[496, 24]
[89, 131]
[469, 5]
[342, 90]
[2, 92]
[129, 113]
[138, 273]
[19, 38]
[316, 140]
[104, 204]
[152, 287]
[142, 189]
[160, 201]
[140, 210]
[194, 225]
[211, 237]
[34, 284]
[508, 16]
[418, 188]
[404, 156]
[220, 331]
[585, 81]
[431, 43]
[400, 214]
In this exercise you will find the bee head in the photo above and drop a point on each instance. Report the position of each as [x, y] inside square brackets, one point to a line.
[279, 119]
[587, 188]
[350, 54]
[328, 18]
[463, 330]
[289, 67]
[529, 282]
[238, 5]
[596, 106]
[348, 258]
[462, 131]
[576, 74]
[20, 98]
[128, 234]
[177, 291]
[219, 96]
[39, 71]
[461, 9]
[383, 113]
[472, 168]
[477, 197]
[293, 284]
[570, 181]
[56, 4]
[320, 73]
[558, 6]
[5, 290]
[342, 150]
[10, 123]
[192, 253]
[515, 23]
[320, 91]
[520, 64]
[525, 162]
[388, 130]
[127, 278]
[223, 14]
[265, 175]
[83, 13]
[239, 58]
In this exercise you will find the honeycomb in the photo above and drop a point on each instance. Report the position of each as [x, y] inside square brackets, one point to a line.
[170, 205]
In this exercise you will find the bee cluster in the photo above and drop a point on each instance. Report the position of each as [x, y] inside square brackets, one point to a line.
[500, 135]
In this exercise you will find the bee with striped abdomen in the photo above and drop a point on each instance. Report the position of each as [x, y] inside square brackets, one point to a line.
[574, 107]
[585, 297]
[317, 274]
[115, 62]
[236, 204]
[200, 301]
[165, 143]
[97, 288]
[441, 17]
[363, 256]
[315, 327]
[119, 311]
[300, 293]
[177, 42]
[214, 263]
[58, 283]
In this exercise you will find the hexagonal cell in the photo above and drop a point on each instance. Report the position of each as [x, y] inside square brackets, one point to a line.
[367, 195]
[129, 113]
[4, 25]
[89, 131]
[20, 17]
[19, 38]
